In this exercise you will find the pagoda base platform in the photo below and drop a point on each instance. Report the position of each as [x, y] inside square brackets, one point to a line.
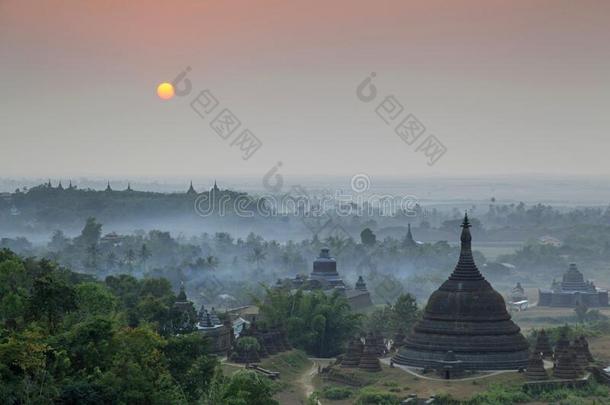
[470, 361]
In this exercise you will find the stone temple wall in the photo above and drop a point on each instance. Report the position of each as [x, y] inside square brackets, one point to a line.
[570, 300]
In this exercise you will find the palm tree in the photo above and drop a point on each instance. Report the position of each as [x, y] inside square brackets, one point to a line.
[258, 256]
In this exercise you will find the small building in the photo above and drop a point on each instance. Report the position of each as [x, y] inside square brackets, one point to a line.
[572, 290]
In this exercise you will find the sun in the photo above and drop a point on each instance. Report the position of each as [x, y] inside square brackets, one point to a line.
[165, 91]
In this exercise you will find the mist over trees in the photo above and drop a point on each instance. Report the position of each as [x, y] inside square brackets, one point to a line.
[226, 263]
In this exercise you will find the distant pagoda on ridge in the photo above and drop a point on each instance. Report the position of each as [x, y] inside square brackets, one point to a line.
[409, 241]
[191, 190]
[468, 317]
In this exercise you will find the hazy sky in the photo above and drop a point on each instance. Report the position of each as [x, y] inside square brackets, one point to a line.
[506, 86]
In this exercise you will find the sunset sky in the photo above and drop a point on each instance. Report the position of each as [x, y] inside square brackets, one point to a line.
[507, 86]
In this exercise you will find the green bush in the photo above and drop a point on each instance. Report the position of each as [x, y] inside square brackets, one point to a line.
[369, 396]
[336, 393]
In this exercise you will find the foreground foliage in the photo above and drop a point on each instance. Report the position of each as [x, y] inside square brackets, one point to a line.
[66, 338]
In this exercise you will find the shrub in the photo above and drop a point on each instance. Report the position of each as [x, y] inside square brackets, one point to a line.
[370, 396]
[336, 393]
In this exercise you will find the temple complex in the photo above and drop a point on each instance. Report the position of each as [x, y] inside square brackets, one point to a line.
[468, 317]
[572, 290]
[325, 277]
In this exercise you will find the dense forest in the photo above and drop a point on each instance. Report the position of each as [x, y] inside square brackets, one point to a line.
[67, 338]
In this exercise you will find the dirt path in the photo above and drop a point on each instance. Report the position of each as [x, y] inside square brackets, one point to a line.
[306, 379]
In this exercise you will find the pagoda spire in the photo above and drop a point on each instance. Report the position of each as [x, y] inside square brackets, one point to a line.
[409, 241]
[59, 186]
[128, 187]
[466, 269]
[108, 188]
[191, 189]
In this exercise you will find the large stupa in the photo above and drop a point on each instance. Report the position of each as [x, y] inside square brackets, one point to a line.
[468, 317]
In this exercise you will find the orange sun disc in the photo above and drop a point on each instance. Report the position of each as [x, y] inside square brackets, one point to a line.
[165, 91]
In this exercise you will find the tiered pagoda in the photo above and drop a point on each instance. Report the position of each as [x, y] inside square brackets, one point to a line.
[566, 367]
[353, 354]
[468, 317]
[572, 290]
[579, 356]
[518, 293]
[563, 343]
[535, 368]
[369, 360]
[399, 339]
[584, 344]
[325, 271]
[543, 346]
